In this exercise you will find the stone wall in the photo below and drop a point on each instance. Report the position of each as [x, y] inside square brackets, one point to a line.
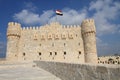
[53, 42]
[69, 71]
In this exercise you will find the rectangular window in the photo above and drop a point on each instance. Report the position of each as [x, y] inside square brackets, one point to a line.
[23, 54]
[64, 53]
[50, 53]
[55, 53]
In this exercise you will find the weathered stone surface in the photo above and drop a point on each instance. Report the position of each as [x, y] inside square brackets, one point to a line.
[52, 42]
[68, 71]
[24, 71]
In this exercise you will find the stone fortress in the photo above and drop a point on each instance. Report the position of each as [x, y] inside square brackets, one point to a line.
[54, 52]
[52, 42]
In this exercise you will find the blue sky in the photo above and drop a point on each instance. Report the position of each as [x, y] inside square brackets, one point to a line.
[106, 14]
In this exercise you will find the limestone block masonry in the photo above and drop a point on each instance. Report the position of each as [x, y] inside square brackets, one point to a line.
[70, 71]
[52, 42]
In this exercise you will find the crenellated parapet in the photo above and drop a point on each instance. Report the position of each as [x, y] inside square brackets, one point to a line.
[31, 28]
[53, 25]
[88, 27]
[13, 30]
[71, 26]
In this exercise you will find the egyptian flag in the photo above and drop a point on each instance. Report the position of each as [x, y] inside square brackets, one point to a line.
[59, 12]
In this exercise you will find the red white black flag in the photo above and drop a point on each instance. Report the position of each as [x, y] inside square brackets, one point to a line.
[59, 12]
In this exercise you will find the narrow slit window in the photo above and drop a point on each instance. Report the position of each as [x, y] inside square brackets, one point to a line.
[64, 53]
[55, 53]
[23, 54]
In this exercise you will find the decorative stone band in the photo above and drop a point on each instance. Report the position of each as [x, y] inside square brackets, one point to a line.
[13, 35]
[89, 32]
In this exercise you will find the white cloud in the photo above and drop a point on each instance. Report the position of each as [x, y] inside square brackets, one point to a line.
[70, 16]
[105, 11]
[28, 17]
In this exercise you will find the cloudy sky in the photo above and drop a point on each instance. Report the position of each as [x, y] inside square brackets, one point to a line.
[106, 14]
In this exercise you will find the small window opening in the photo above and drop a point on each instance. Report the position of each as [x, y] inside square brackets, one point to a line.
[79, 52]
[79, 44]
[55, 53]
[23, 54]
[64, 53]
[39, 53]
[50, 53]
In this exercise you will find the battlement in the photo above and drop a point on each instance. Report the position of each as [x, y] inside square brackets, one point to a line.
[14, 30]
[88, 21]
[55, 25]
[71, 26]
[14, 24]
[31, 28]
[88, 26]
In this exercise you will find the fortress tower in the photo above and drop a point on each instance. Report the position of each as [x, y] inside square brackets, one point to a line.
[89, 38]
[13, 36]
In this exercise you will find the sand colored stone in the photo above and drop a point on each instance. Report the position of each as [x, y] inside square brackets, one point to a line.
[24, 71]
[52, 42]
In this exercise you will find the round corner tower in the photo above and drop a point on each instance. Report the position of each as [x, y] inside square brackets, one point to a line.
[13, 36]
[89, 37]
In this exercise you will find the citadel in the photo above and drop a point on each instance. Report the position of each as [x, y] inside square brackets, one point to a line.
[56, 52]
[52, 42]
